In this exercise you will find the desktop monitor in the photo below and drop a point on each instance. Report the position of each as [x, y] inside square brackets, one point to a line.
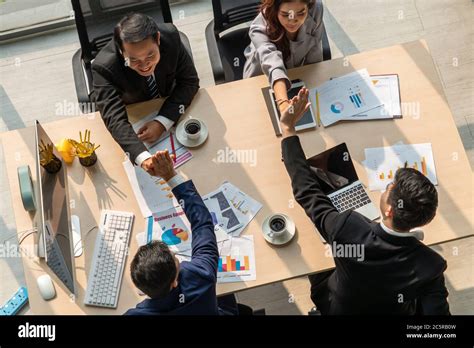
[55, 240]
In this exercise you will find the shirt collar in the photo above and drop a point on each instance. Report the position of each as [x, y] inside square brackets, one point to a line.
[418, 234]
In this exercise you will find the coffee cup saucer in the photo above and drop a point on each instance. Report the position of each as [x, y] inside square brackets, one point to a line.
[183, 138]
[280, 239]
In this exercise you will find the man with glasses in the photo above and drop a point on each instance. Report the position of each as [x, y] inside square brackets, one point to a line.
[144, 61]
[397, 274]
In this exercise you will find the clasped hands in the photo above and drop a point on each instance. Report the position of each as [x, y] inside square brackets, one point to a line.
[161, 165]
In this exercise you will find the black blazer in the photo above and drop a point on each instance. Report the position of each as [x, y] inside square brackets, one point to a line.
[398, 275]
[115, 86]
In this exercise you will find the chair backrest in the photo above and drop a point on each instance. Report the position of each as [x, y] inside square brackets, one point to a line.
[96, 19]
[229, 13]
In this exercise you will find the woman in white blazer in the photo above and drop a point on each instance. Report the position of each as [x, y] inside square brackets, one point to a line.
[285, 34]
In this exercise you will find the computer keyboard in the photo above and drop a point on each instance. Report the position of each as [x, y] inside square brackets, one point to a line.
[353, 198]
[105, 274]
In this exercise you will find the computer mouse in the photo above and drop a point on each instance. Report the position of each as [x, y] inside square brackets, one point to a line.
[46, 287]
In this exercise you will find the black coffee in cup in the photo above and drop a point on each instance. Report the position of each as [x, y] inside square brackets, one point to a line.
[193, 128]
[277, 224]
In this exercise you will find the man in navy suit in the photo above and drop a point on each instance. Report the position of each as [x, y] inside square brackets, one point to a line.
[186, 288]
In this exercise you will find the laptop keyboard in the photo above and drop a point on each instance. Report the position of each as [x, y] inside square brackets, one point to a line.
[352, 199]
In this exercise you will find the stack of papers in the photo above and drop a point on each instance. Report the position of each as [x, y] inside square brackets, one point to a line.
[357, 96]
[381, 163]
[387, 89]
[231, 208]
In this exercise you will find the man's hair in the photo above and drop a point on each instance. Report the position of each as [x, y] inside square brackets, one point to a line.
[135, 27]
[153, 269]
[413, 198]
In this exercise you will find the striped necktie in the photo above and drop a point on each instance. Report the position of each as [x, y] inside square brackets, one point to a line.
[152, 87]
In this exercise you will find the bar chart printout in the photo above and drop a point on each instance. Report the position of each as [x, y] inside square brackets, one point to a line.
[381, 163]
[236, 260]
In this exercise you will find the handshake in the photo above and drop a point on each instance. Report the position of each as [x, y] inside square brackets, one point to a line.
[160, 164]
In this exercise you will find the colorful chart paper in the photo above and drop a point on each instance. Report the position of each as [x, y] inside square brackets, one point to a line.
[381, 163]
[236, 260]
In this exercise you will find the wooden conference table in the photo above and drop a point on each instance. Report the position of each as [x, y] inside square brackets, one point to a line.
[238, 119]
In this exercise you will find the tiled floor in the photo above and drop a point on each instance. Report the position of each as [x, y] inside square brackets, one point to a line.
[36, 82]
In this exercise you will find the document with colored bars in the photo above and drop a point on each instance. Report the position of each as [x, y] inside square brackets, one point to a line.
[381, 163]
[236, 260]
[343, 97]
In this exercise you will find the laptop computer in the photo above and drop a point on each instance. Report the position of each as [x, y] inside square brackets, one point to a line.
[339, 181]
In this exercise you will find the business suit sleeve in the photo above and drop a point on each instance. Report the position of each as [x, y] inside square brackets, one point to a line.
[433, 298]
[271, 59]
[187, 85]
[308, 193]
[113, 112]
[205, 254]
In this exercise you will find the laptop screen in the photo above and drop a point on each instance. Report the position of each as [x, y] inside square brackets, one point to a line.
[334, 168]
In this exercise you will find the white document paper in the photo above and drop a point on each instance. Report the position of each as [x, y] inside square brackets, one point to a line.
[232, 208]
[224, 214]
[381, 163]
[246, 207]
[152, 193]
[237, 260]
[173, 229]
[387, 90]
[345, 96]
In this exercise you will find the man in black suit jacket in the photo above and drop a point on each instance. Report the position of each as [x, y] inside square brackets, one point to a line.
[397, 274]
[144, 61]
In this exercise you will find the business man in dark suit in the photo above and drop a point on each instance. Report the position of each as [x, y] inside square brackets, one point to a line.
[397, 274]
[144, 61]
[186, 288]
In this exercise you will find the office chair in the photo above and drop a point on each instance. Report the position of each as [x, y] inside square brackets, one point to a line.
[95, 22]
[226, 50]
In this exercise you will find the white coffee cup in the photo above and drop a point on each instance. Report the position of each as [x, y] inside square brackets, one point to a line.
[192, 128]
[277, 226]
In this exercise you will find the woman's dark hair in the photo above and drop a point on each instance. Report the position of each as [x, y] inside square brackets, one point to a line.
[135, 27]
[153, 269]
[413, 198]
[275, 31]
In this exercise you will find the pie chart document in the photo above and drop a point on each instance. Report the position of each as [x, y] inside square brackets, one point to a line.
[345, 96]
[174, 229]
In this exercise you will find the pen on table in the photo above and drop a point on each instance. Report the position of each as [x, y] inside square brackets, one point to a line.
[172, 147]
